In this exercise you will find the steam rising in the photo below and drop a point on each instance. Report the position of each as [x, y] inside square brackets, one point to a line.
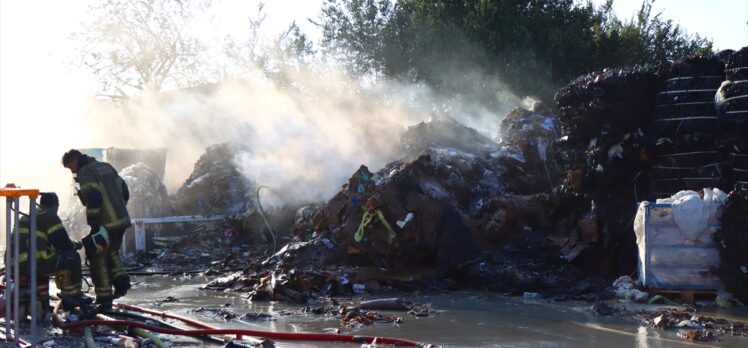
[304, 137]
[302, 142]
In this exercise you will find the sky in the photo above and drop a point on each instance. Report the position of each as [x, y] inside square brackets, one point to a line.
[41, 91]
[722, 21]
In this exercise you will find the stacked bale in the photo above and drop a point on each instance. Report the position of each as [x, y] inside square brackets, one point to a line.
[148, 195]
[602, 117]
[732, 240]
[732, 102]
[685, 128]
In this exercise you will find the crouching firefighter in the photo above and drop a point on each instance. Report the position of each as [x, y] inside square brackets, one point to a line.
[55, 256]
[104, 194]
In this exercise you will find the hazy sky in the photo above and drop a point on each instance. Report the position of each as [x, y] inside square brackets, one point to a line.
[40, 89]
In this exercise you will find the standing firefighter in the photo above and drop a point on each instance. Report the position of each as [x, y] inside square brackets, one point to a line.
[104, 194]
[55, 255]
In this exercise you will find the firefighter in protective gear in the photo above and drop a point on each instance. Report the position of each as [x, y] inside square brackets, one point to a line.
[104, 194]
[55, 255]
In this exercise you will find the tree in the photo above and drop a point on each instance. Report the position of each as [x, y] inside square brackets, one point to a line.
[132, 46]
[287, 53]
[534, 46]
[354, 32]
[248, 53]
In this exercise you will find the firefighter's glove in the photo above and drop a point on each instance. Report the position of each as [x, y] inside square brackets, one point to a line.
[96, 243]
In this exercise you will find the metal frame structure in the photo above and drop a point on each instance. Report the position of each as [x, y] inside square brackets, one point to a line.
[139, 226]
[645, 263]
[13, 271]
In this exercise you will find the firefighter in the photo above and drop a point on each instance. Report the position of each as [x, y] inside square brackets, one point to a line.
[56, 256]
[104, 194]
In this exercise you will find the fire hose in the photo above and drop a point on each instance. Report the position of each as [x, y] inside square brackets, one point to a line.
[204, 329]
[211, 339]
[262, 214]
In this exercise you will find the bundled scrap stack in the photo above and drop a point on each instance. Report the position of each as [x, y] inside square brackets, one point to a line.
[732, 240]
[148, 196]
[603, 116]
[685, 128]
[732, 102]
[215, 185]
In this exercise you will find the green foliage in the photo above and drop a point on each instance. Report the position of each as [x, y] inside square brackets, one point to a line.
[534, 46]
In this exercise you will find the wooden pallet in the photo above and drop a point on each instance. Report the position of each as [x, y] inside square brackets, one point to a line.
[688, 296]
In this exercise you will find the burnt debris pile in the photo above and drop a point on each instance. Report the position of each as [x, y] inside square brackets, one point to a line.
[443, 214]
[545, 207]
[215, 185]
[526, 138]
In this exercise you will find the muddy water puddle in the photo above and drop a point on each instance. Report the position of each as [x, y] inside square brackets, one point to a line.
[465, 319]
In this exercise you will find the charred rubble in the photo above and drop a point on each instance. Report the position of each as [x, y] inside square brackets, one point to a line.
[547, 207]
[215, 186]
[445, 215]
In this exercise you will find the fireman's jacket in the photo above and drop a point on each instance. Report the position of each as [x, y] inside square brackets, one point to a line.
[51, 237]
[104, 194]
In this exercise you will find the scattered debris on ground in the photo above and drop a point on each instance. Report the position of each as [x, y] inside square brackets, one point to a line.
[692, 326]
[353, 315]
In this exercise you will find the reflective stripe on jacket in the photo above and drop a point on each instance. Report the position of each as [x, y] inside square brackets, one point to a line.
[109, 209]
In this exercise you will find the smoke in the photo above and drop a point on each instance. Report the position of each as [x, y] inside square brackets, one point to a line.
[303, 141]
[304, 136]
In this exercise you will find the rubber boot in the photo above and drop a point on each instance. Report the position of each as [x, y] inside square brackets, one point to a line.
[42, 297]
[69, 280]
[100, 278]
[120, 279]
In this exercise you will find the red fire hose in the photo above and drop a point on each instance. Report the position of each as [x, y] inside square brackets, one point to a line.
[188, 321]
[205, 329]
[239, 333]
[21, 342]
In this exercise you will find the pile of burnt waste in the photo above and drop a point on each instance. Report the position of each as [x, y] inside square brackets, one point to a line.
[549, 206]
[442, 218]
[215, 186]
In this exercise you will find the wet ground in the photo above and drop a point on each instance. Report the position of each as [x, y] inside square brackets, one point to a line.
[464, 319]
